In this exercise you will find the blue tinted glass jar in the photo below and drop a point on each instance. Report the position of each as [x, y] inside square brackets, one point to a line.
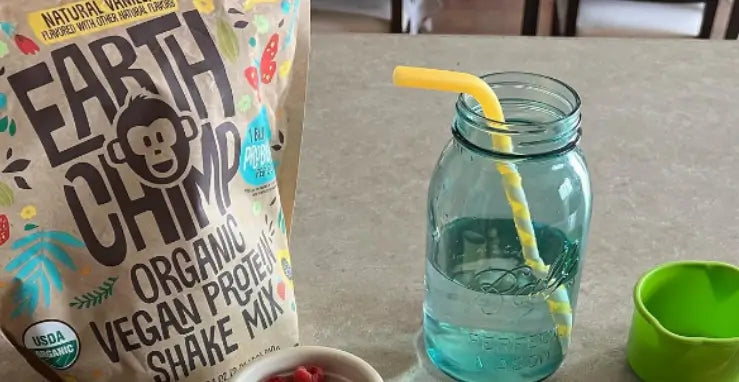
[490, 312]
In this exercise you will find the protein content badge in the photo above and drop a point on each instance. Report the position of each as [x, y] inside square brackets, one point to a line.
[53, 342]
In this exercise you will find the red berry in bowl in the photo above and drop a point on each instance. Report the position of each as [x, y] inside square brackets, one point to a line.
[316, 372]
[301, 374]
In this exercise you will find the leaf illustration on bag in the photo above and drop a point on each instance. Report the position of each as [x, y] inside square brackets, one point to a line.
[281, 221]
[6, 195]
[14, 167]
[17, 166]
[228, 41]
[96, 296]
[36, 271]
[7, 125]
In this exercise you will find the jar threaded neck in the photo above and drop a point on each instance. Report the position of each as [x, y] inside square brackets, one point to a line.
[542, 115]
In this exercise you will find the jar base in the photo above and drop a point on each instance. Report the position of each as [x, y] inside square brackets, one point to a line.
[445, 356]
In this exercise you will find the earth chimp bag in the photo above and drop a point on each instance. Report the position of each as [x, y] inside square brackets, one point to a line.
[142, 145]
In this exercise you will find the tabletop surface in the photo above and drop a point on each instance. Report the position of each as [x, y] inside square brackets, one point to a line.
[660, 136]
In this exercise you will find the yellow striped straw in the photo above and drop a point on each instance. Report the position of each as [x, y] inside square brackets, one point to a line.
[459, 82]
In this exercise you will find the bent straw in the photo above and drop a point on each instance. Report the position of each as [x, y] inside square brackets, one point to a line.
[459, 82]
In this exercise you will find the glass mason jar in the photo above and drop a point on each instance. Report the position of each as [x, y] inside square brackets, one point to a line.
[507, 229]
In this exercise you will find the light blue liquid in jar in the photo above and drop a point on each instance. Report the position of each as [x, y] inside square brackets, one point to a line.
[486, 312]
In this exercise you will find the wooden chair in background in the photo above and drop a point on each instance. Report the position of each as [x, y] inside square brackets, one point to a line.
[732, 30]
[634, 18]
[396, 22]
[365, 16]
[528, 25]
[530, 17]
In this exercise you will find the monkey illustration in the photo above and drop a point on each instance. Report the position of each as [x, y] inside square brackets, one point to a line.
[153, 140]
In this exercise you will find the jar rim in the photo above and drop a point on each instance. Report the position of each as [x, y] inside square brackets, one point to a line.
[509, 128]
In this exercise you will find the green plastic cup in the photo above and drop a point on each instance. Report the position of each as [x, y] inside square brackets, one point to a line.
[686, 323]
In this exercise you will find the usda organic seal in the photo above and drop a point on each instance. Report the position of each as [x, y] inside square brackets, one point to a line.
[53, 342]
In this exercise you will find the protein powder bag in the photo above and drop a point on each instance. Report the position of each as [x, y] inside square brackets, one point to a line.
[142, 143]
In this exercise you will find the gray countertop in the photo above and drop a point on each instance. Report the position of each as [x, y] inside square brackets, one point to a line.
[660, 135]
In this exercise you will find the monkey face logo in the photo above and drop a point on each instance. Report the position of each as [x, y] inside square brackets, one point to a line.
[153, 140]
[156, 144]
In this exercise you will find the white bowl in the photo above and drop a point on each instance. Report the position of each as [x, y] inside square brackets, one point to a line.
[344, 367]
